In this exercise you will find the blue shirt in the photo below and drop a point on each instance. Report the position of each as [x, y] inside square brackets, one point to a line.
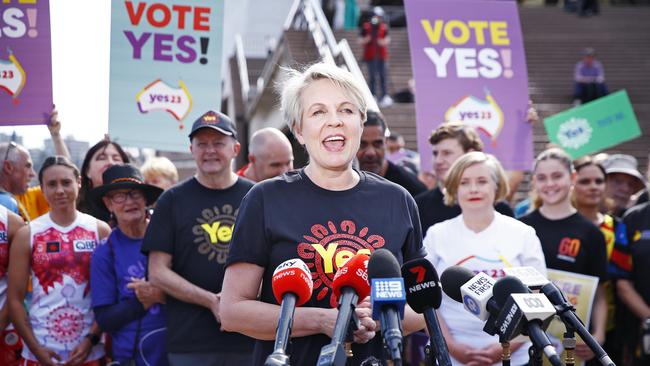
[8, 200]
[115, 261]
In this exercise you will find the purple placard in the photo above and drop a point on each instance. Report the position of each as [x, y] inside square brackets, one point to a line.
[25, 62]
[469, 65]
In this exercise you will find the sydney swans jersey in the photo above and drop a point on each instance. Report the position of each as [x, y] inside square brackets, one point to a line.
[4, 254]
[60, 312]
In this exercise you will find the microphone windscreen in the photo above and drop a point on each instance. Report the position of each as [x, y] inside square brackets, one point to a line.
[422, 285]
[292, 276]
[383, 264]
[506, 286]
[354, 274]
[453, 278]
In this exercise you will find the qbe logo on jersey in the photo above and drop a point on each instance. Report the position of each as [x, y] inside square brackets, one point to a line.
[84, 245]
[388, 289]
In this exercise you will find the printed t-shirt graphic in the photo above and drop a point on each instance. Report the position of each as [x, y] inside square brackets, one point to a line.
[572, 244]
[60, 312]
[213, 231]
[327, 247]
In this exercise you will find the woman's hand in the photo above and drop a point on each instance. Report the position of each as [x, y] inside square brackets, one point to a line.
[46, 356]
[367, 326]
[146, 293]
[80, 353]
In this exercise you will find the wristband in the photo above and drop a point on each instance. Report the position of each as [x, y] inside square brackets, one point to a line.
[94, 338]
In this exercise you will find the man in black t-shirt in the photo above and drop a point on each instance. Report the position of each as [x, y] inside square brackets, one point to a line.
[450, 141]
[372, 156]
[188, 241]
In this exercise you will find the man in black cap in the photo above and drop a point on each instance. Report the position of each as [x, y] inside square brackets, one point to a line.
[188, 241]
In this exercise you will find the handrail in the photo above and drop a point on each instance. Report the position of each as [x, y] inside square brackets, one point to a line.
[308, 14]
[242, 66]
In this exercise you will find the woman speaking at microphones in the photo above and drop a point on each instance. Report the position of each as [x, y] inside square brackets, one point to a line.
[324, 214]
[481, 240]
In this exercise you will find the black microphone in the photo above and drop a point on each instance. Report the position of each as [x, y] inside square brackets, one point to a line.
[388, 299]
[423, 294]
[524, 312]
[565, 311]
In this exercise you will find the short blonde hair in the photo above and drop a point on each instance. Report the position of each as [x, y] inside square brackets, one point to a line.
[295, 82]
[160, 166]
[472, 158]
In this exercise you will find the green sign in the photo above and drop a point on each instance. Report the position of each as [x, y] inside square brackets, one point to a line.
[594, 126]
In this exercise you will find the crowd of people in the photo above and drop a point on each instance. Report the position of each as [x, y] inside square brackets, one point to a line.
[114, 263]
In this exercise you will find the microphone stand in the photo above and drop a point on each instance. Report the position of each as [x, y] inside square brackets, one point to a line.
[279, 357]
[535, 356]
[569, 344]
[505, 355]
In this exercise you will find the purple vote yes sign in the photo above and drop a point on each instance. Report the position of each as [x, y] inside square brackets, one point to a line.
[25, 62]
[469, 66]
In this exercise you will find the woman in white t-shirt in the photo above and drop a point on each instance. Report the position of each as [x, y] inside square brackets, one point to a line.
[482, 240]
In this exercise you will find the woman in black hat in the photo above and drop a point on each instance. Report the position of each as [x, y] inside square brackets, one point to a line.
[126, 306]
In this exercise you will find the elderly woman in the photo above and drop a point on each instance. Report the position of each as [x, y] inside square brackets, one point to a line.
[322, 214]
[482, 240]
[125, 304]
[55, 250]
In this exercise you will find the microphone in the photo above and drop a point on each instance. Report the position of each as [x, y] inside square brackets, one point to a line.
[292, 286]
[473, 290]
[526, 313]
[565, 311]
[350, 286]
[388, 299]
[423, 294]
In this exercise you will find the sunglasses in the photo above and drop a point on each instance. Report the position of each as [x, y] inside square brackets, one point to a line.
[12, 145]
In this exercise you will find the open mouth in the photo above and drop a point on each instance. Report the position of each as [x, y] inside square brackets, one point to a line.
[334, 143]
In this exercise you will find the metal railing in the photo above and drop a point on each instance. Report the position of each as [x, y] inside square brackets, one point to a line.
[242, 66]
[308, 15]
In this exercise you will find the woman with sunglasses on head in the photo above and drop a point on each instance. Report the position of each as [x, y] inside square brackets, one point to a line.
[55, 250]
[570, 241]
[99, 157]
[127, 306]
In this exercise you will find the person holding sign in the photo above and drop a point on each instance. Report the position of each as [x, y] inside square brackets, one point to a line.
[570, 242]
[483, 240]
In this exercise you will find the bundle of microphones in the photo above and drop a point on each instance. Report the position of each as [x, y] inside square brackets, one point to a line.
[522, 303]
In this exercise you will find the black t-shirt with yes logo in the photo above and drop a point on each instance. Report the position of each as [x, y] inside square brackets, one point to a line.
[291, 217]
